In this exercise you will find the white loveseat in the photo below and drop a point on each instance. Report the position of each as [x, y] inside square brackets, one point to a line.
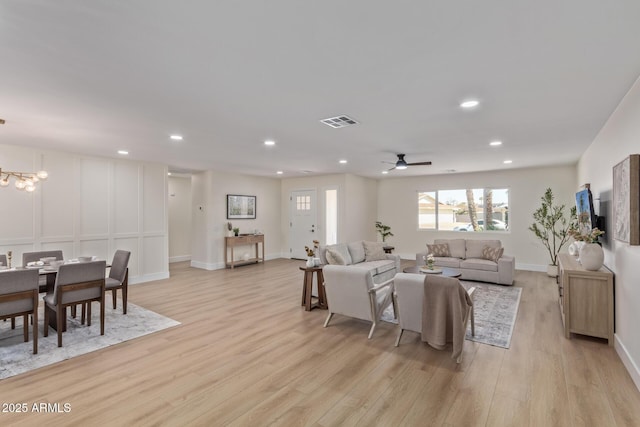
[383, 267]
[467, 256]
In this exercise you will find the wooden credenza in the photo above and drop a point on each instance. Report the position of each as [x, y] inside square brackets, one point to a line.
[230, 244]
[586, 299]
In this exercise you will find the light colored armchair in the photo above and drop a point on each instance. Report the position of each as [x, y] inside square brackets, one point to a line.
[351, 292]
[449, 307]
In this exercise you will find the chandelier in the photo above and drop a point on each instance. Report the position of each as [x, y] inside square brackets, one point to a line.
[23, 180]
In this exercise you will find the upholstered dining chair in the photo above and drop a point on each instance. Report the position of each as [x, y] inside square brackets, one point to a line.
[3, 260]
[77, 283]
[119, 277]
[19, 297]
[28, 257]
[351, 292]
[449, 307]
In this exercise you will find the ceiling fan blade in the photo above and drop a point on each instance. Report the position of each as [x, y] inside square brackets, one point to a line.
[389, 163]
[419, 164]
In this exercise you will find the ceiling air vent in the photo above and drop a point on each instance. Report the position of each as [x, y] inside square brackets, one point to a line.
[339, 122]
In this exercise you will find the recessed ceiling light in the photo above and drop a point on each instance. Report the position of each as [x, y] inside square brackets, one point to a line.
[495, 143]
[169, 173]
[176, 137]
[123, 152]
[469, 103]
[269, 142]
[279, 172]
[508, 162]
[385, 172]
[343, 161]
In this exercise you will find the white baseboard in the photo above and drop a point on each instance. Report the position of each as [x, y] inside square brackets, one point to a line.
[221, 265]
[627, 361]
[207, 265]
[531, 267]
[180, 258]
[148, 277]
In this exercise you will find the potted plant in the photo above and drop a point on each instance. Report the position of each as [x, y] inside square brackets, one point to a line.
[552, 228]
[384, 230]
[236, 231]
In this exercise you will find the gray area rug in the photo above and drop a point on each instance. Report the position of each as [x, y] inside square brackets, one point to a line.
[16, 355]
[496, 309]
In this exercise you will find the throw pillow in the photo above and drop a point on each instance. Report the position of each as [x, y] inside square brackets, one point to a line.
[342, 249]
[492, 254]
[441, 250]
[373, 251]
[334, 257]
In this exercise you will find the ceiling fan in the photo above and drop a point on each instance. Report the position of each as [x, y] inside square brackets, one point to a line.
[402, 163]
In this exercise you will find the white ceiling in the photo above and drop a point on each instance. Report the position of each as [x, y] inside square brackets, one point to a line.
[98, 76]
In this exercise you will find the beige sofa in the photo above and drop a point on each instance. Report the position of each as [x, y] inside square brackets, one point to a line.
[466, 255]
[354, 255]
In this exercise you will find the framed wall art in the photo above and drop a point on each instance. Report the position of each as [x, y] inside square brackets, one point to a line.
[626, 200]
[241, 207]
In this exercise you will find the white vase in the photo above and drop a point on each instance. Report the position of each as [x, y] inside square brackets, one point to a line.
[311, 262]
[552, 270]
[591, 256]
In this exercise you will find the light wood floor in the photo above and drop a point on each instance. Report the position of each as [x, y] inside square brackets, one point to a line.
[248, 354]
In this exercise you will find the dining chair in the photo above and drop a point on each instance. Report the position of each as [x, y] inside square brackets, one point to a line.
[77, 283]
[19, 297]
[119, 277]
[28, 257]
[3, 260]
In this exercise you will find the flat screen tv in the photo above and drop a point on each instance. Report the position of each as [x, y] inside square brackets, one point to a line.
[585, 211]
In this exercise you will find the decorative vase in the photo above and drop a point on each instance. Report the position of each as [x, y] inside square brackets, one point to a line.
[317, 262]
[310, 262]
[591, 256]
[552, 270]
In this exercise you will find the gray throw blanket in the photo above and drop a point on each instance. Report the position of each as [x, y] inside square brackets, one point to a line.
[444, 310]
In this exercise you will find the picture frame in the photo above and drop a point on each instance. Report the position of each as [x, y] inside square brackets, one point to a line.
[241, 207]
[626, 200]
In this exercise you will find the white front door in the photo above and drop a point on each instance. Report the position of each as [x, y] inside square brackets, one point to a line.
[303, 222]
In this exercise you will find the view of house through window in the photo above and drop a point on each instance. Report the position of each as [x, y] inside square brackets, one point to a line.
[464, 210]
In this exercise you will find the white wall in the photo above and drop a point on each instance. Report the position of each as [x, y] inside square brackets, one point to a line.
[179, 218]
[361, 199]
[619, 137]
[398, 208]
[209, 215]
[88, 206]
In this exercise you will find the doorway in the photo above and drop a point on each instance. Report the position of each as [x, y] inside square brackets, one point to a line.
[303, 222]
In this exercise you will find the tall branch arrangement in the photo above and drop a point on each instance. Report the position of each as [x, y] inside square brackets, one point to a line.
[551, 226]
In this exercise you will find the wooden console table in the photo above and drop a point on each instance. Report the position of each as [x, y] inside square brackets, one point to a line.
[586, 299]
[243, 240]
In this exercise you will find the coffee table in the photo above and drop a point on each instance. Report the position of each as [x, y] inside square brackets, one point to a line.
[446, 271]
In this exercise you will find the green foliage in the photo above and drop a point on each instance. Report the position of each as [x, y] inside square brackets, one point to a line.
[551, 226]
[384, 230]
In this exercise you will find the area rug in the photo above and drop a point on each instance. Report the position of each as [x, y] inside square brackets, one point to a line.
[496, 309]
[16, 355]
